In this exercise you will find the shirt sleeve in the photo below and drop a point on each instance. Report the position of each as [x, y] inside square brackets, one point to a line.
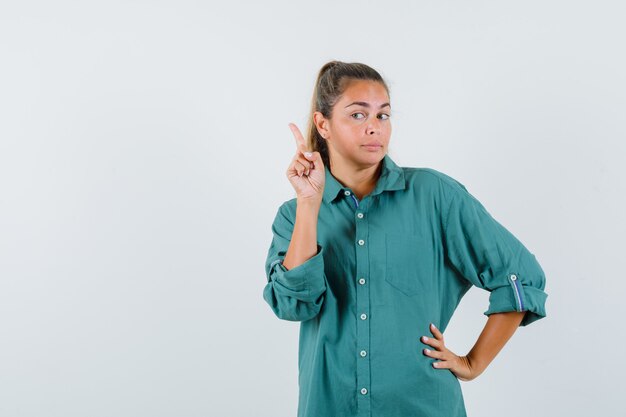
[490, 257]
[295, 294]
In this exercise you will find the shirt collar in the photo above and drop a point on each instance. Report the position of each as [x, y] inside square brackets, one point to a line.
[391, 178]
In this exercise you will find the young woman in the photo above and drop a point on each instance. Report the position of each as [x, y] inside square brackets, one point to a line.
[373, 259]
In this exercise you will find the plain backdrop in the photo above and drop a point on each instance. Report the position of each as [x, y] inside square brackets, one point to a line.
[143, 150]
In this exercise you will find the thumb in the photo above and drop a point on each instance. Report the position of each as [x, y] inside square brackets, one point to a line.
[312, 156]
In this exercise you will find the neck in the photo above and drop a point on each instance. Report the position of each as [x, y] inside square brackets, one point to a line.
[361, 180]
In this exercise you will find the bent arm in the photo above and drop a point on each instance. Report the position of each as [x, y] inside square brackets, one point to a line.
[296, 282]
[489, 256]
[303, 245]
[497, 332]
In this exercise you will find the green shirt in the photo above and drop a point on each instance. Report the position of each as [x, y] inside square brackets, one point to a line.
[386, 267]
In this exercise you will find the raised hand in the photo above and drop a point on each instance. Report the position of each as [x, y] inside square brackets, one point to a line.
[306, 171]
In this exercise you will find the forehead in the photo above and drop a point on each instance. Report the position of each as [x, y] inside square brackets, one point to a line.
[365, 90]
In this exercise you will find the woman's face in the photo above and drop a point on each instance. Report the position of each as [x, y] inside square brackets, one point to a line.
[359, 130]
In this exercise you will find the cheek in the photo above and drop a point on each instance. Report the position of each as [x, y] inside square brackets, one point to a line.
[387, 131]
[347, 134]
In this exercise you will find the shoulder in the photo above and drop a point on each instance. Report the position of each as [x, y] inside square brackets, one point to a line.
[427, 177]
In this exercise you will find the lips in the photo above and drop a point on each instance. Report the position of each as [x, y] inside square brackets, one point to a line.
[373, 146]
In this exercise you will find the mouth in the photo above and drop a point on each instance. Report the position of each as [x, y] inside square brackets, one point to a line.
[373, 147]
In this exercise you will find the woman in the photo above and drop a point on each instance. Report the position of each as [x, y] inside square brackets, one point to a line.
[373, 259]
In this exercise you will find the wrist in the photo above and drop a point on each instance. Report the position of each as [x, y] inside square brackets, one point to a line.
[308, 203]
[475, 364]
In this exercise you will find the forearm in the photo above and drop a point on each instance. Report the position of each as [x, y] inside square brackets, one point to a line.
[303, 245]
[498, 330]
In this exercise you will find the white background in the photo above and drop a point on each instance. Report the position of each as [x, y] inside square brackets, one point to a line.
[143, 149]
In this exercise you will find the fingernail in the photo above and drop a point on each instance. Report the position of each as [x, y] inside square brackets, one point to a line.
[435, 364]
[427, 350]
[432, 324]
[425, 339]
[308, 154]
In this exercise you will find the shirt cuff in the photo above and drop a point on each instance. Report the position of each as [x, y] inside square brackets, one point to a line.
[518, 297]
[308, 276]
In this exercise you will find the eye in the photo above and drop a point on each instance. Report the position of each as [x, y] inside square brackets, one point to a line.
[387, 116]
[358, 118]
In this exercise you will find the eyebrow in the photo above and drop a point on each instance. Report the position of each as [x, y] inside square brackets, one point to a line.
[364, 104]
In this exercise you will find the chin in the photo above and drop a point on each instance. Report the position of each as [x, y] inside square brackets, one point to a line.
[374, 158]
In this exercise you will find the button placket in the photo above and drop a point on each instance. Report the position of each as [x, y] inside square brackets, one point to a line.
[362, 307]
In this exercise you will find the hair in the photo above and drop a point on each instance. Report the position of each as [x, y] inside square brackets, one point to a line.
[332, 81]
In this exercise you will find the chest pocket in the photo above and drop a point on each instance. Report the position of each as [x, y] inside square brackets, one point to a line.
[408, 264]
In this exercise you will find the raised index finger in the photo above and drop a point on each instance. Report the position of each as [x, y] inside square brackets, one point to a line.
[299, 138]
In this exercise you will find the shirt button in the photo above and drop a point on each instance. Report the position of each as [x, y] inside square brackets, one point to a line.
[363, 391]
[363, 353]
[361, 242]
[362, 281]
[346, 192]
[363, 316]
[359, 215]
[513, 277]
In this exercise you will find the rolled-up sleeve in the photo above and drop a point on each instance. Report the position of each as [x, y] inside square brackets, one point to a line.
[490, 257]
[295, 294]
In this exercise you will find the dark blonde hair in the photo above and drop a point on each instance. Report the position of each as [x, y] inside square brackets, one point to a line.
[332, 80]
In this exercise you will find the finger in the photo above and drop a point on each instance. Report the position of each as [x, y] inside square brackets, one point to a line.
[298, 157]
[433, 353]
[311, 156]
[306, 163]
[442, 364]
[300, 142]
[435, 331]
[301, 156]
[302, 164]
[432, 342]
[299, 167]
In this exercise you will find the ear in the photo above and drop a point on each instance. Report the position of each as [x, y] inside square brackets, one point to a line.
[322, 124]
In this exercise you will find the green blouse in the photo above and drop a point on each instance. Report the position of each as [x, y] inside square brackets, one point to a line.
[386, 267]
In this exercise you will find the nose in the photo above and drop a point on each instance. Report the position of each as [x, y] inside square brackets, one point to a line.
[373, 126]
